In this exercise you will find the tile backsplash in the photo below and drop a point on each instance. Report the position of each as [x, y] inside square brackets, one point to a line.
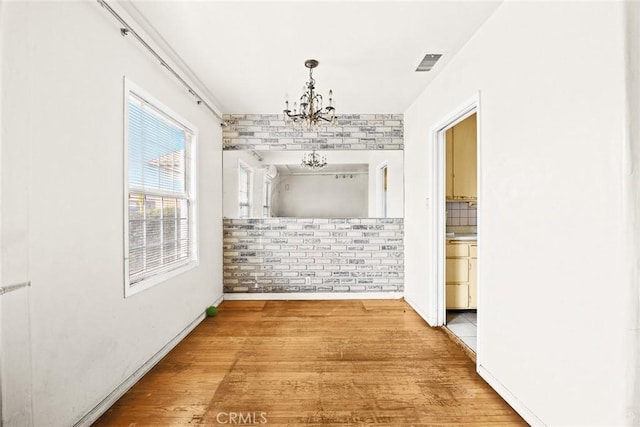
[461, 213]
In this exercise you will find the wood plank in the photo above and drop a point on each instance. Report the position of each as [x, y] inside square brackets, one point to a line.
[312, 363]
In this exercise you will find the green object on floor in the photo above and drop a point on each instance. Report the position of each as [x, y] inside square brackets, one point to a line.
[212, 311]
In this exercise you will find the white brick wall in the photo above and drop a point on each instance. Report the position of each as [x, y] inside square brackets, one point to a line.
[353, 132]
[286, 255]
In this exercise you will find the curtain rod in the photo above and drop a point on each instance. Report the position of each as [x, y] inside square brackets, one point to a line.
[10, 288]
[127, 29]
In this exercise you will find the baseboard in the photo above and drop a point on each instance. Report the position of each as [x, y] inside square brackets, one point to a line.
[431, 321]
[313, 296]
[116, 394]
[512, 400]
[218, 301]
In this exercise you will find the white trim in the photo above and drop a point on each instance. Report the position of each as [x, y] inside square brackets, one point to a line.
[121, 389]
[311, 296]
[191, 185]
[438, 296]
[380, 191]
[249, 171]
[510, 398]
[130, 86]
[162, 276]
[218, 300]
[429, 319]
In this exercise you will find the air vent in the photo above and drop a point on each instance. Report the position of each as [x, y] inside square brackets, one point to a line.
[428, 61]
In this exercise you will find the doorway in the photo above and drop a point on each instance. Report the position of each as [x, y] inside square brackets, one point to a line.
[455, 222]
[382, 179]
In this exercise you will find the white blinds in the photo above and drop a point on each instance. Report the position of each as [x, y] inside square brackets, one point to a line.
[159, 200]
[157, 150]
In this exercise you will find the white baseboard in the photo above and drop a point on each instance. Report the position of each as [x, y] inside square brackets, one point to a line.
[116, 394]
[512, 400]
[218, 301]
[312, 296]
[429, 319]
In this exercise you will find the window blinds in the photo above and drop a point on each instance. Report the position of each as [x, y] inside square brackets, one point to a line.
[159, 200]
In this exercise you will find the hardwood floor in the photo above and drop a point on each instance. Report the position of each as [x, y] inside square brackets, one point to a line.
[313, 363]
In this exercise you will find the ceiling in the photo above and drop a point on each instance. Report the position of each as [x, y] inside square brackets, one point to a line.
[250, 55]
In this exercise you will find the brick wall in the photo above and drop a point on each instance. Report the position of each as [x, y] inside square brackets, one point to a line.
[353, 132]
[313, 255]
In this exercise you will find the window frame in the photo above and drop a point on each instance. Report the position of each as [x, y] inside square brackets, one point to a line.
[191, 189]
[249, 171]
[267, 188]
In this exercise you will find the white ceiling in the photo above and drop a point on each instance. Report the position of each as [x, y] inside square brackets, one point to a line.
[249, 55]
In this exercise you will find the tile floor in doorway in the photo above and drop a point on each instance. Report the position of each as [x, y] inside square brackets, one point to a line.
[464, 323]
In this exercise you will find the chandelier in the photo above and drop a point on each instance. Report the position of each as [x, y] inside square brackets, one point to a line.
[311, 113]
[313, 161]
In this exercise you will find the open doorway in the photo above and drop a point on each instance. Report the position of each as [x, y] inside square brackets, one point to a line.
[382, 179]
[461, 232]
[456, 223]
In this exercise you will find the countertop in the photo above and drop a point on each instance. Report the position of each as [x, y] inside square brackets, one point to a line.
[462, 236]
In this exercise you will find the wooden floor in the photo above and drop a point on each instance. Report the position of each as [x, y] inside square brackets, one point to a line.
[371, 362]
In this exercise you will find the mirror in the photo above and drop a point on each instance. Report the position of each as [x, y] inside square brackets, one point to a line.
[353, 184]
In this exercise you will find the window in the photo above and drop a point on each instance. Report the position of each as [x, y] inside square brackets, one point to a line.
[266, 206]
[160, 214]
[244, 190]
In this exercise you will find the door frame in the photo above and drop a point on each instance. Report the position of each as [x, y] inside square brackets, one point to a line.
[380, 200]
[439, 179]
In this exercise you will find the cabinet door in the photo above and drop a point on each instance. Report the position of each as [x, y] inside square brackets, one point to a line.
[457, 270]
[457, 250]
[449, 162]
[473, 283]
[465, 159]
[473, 251]
[457, 296]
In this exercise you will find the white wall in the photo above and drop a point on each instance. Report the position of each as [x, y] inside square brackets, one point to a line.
[552, 271]
[62, 206]
[321, 196]
[631, 184]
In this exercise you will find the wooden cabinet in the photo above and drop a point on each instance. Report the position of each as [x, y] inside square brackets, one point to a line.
[457, 270]
[457, 296]
[473, 283]
[462, 160]
[449, 163]
[461, 274]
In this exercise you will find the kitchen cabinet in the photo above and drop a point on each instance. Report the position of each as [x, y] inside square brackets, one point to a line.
[473, 283]
[461, 274]
[462, 160]
[457, 270]
[449, 163]
[457, 296]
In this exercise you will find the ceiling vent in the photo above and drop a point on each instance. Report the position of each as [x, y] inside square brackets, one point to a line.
[428, 61]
